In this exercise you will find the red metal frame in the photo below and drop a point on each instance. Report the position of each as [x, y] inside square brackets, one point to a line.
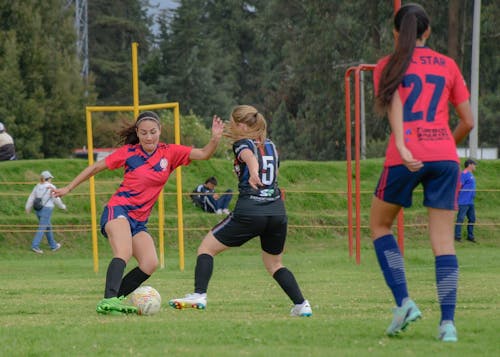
[357, 135]
[357, 150]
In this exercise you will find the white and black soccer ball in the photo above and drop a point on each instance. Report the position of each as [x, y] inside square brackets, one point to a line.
[147, 300]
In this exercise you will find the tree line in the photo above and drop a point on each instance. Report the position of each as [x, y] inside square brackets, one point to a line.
[286, 57]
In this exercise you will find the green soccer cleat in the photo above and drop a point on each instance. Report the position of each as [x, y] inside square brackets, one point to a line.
[447, 332]
[115, 306]
[403, 315]
[195, 301]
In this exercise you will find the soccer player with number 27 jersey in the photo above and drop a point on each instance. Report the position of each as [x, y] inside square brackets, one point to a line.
[413, 87]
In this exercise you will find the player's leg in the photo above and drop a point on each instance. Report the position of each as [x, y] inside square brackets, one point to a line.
[144, 251]
[232, 231]
[446, 267]
[440, 198]
[208, 248]
[394, 190]
[382, 216]
[390, 259]
[272, 241]
[120, 239]
[286, 280]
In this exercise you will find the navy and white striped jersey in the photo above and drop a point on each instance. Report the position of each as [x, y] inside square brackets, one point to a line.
[267, 199]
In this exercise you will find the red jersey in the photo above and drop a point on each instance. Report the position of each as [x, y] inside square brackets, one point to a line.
[430, 82]
[144, 175]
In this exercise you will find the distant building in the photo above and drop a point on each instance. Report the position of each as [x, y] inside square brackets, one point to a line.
[99, 153]
[482, 153]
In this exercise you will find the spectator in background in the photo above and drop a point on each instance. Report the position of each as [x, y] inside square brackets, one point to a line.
[43, 191]
[466, 202]
[204, 196]
[7, 149]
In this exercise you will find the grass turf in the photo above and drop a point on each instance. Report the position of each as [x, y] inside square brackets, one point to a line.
[48, 307]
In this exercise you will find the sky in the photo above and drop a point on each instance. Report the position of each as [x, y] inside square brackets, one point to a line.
[164, 4]
[158, 5]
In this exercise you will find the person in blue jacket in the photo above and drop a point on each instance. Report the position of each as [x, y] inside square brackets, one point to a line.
[466, 202]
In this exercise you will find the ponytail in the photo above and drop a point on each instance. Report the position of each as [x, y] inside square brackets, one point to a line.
[255, 122]
[411, 21]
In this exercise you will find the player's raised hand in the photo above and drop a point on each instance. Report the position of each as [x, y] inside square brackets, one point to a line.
[217, 127]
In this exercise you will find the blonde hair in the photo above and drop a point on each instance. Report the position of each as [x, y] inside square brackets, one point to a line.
[255, 122]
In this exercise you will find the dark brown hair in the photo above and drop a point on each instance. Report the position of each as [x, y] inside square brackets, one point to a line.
[128, 135]
[411, 21]
[211, 180]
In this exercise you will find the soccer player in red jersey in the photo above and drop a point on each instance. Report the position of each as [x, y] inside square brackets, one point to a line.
[413, 88]
[147, 165]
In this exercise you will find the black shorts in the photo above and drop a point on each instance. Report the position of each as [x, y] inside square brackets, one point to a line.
[236, 230]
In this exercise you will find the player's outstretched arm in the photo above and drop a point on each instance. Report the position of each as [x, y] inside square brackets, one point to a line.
[253, 168]
[82, 176]
[395, 115]
[207, 151]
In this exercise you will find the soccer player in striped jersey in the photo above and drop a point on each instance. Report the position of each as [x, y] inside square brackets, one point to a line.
[413, 88]
[259, 211]
[147, 165]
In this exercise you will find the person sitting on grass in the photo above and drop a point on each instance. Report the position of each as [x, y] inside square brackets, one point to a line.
[204, 196]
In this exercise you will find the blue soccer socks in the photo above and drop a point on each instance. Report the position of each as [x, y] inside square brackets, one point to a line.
[447, 282]
[392, 266]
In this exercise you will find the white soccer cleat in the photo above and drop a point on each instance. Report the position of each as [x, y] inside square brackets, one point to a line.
[302, 310]
[447, 332]
[194, 300]
[403, 316]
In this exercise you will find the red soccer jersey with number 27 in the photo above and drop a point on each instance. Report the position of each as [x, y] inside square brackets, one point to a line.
[430, 83]
[144, 175]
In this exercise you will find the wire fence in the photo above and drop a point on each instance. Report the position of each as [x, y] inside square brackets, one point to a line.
[197, 219]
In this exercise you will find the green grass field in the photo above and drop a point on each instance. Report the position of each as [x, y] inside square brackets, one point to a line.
[47, 305]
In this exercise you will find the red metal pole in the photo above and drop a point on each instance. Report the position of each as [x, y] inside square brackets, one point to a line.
[357, 136]
[357, 148]
[348, 144]
[397, 5]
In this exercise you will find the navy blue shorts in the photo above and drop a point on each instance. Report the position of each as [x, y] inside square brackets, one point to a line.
[113, 212]
[236, 230]
[440, 181]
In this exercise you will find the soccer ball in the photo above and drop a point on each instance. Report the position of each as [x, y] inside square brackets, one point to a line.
[147, 300]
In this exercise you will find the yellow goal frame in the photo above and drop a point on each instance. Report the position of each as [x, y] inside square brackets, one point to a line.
[178, 171]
